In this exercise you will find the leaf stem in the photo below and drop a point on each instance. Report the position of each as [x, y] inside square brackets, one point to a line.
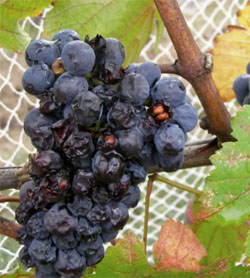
[150, 183]
[178, 185]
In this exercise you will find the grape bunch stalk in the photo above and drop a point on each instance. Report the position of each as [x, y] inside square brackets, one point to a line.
[98, 130]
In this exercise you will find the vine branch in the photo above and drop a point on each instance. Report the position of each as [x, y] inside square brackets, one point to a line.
[192, 66]
[8, 199]
[8, 228]
[194, 156]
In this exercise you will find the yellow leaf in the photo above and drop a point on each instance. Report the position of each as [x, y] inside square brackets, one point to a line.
[231, 55]
[243, 17]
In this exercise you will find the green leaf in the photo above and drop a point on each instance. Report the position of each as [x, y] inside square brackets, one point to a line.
[227, 191]
[11, 12]
[126, 258]
[247, 245]
[129, 21]
[19, 273]
[226, 243]
[159, 30]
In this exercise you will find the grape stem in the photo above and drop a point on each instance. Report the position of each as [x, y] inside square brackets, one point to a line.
[177, 185]
[150, 184]
[191, 65]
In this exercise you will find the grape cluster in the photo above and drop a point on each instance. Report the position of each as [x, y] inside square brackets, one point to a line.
[241, 87]
[98, 130]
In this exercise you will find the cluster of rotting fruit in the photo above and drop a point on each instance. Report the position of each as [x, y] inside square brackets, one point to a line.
[98, 130]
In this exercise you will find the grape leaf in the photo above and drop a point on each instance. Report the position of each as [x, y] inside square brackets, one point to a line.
[226, 196]
[231, 55]
[225, 243]
[11, 12]
[19, 273]
[247, 245]
[127, 20]
[178, 247]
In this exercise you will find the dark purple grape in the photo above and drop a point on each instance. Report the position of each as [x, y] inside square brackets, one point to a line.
[62, 37]
[87, 230]
[78, 57]
[58, 221]
[35, 226]
[23, 213]
[99, 214]
[132, 196]
[42, 251]
[119, 214]
[66, 242]
[134, 89]
[54, 186]
[100, 195]
[114, 53]
[108, 167]
[45, 162]
[241, 87]
[246, 99]
[122, 116]
[70, 264]
[49, 106]
[95, 258]
[86, 108]
[26, 191]
[145, 157]
[130, 142]
[137, 172]
[83, 182]
[107, 94]
[80, 206]
[118, 190]
[89, 248]
[36, 120]
[150, 71]
[79, 148]
[185, 116]
[38, 79]
[46, 274]
[41, 51]
[169, 139]
[25, 258]
[169, 163]
[169, 89]
[38, 127]
[61, 131]
[108, 231]
[68, 86]
[22, 236]
[132, 68]
[98, 43]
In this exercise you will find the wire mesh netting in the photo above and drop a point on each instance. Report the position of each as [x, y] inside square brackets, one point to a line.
[206, 19]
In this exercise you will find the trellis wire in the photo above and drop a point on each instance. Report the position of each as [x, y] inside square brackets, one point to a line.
[206, 19]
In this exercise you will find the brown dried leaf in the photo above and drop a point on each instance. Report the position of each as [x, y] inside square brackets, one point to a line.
[178, 247]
